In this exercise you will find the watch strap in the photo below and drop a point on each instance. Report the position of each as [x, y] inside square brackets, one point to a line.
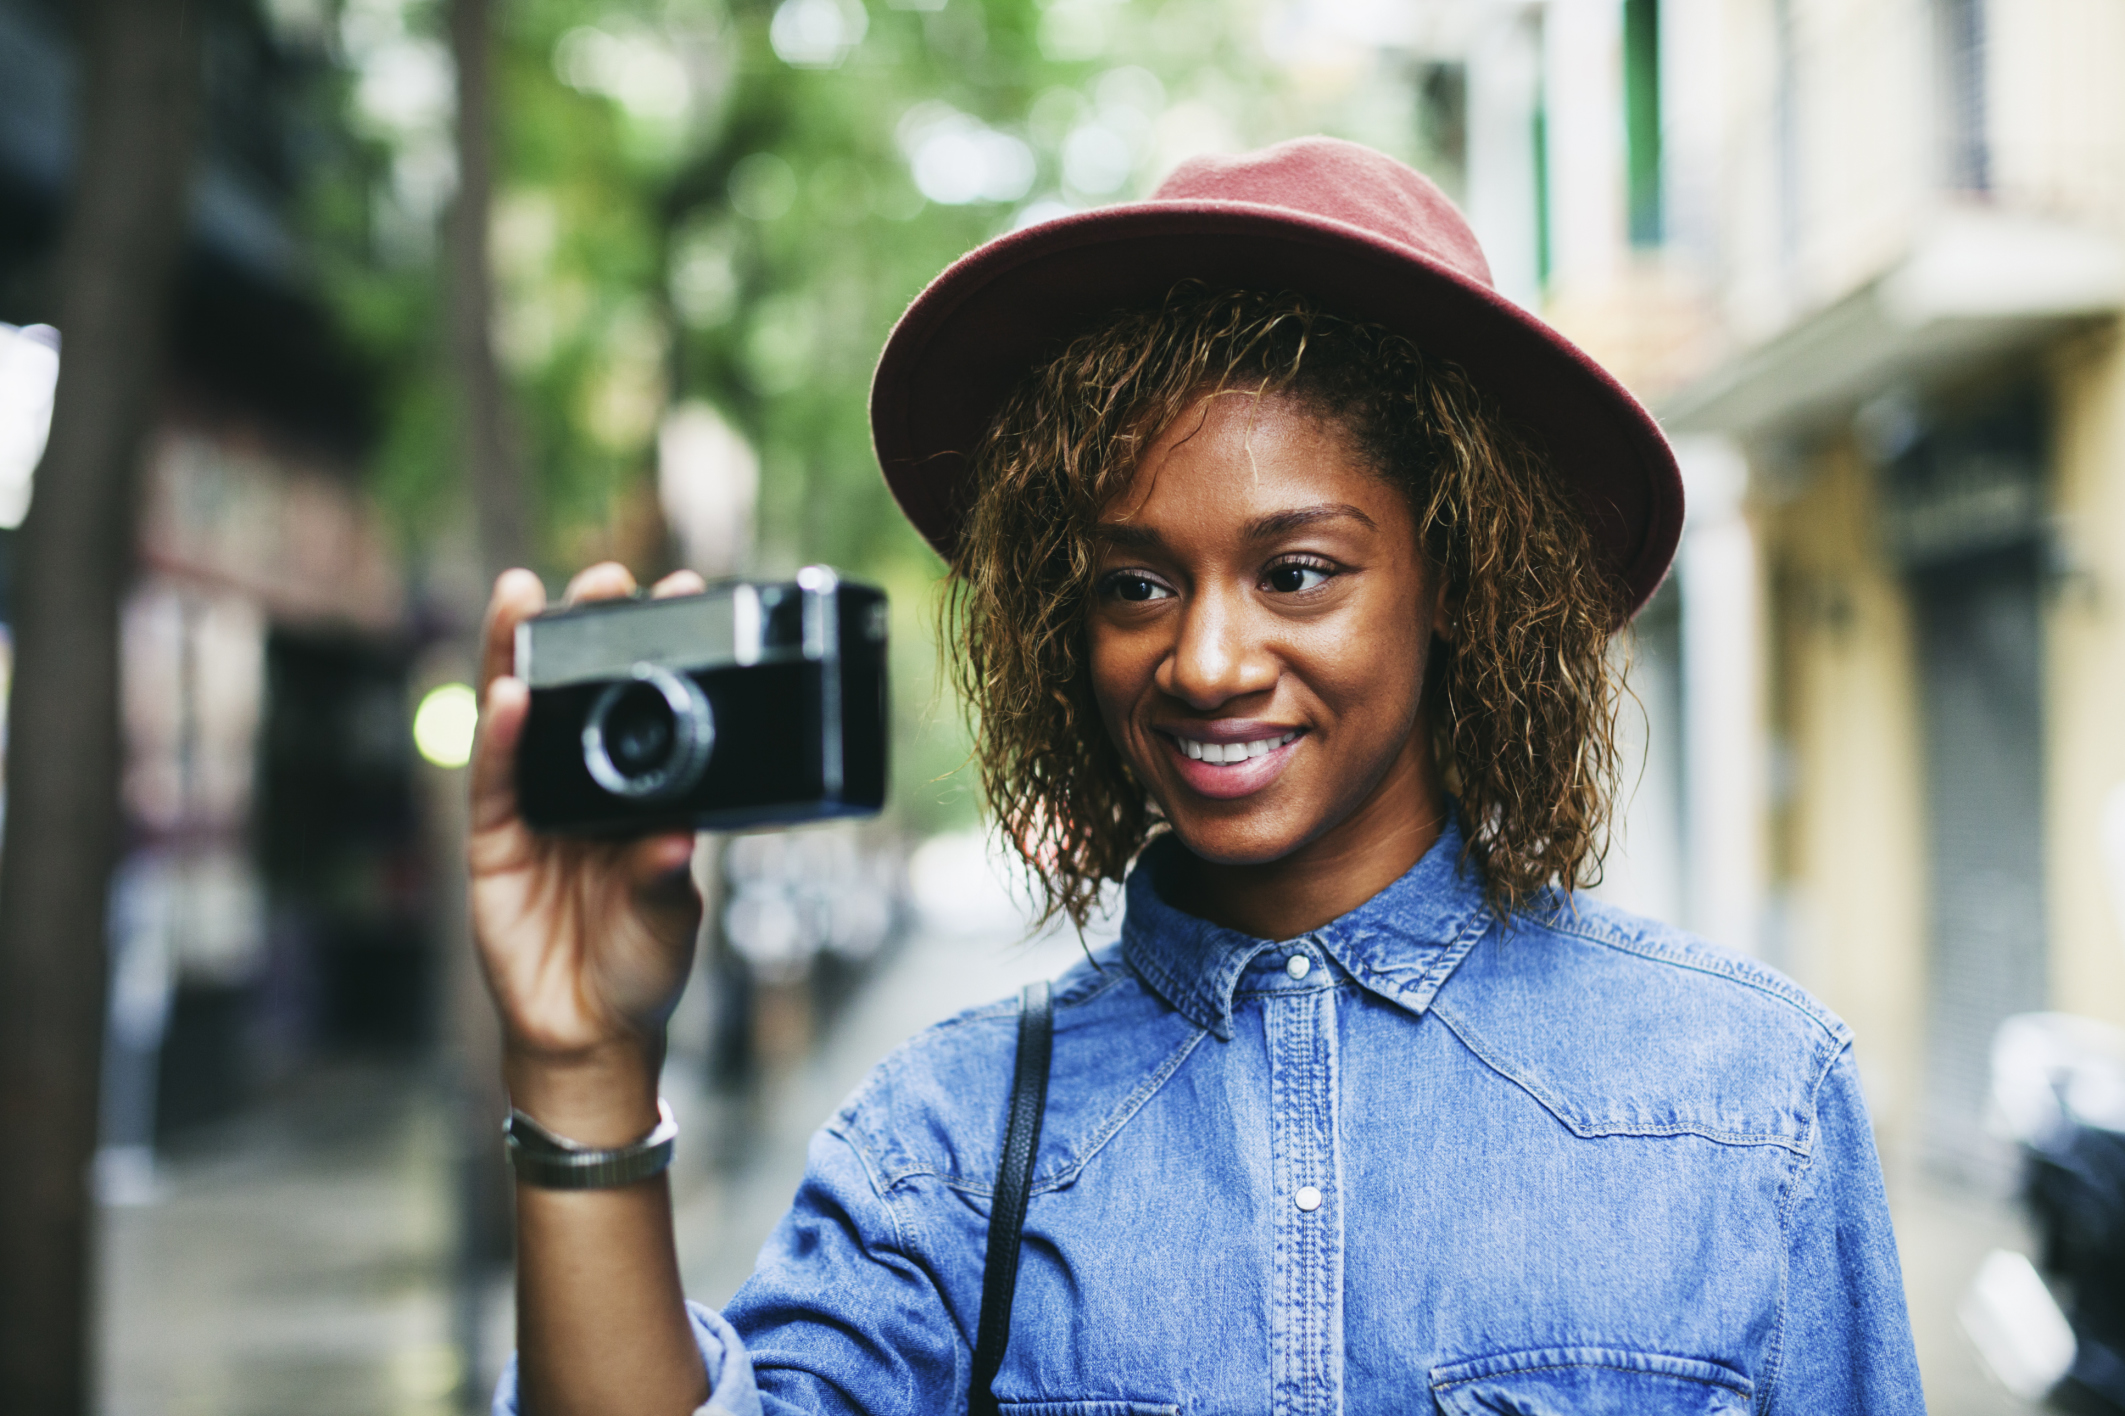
[553, 1162]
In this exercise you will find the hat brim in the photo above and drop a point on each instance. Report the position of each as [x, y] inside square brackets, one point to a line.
[977, 330]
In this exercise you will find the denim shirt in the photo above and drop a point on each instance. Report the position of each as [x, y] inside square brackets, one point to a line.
[1418, 1159]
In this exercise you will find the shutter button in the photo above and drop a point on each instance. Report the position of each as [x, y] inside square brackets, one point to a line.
[1297, 966]
[1308, 1198]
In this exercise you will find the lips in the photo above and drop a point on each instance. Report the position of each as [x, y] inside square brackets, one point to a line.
[1224, 761]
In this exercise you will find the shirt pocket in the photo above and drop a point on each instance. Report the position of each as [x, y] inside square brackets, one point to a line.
[1089, 1408]
[1589, 1381]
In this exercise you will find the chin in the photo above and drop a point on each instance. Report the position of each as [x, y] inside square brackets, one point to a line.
[1236, 842]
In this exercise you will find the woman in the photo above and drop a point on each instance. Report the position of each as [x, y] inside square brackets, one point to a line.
[1292, 608]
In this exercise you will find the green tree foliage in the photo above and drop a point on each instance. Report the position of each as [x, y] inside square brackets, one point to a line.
[732, 202]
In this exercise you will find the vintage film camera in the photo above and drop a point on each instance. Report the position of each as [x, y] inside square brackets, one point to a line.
[753, 703]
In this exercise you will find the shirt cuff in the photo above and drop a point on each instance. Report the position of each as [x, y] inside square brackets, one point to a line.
[730, 1372]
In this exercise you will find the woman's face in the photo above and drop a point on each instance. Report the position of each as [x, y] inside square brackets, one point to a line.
[1259, 632]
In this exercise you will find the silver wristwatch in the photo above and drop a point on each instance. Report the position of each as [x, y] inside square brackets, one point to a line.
[556, 1163]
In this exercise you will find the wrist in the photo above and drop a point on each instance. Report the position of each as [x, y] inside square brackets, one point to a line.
[600, 1096]
[549, 1162]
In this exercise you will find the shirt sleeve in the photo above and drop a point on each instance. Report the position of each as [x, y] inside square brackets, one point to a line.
[1846, 1340]
[838, 1317]
[843, 1314]
[730, 1375]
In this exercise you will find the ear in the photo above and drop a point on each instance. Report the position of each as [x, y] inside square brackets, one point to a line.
[1445, 610]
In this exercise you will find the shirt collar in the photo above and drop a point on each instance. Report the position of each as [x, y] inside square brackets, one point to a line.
[1401, 944]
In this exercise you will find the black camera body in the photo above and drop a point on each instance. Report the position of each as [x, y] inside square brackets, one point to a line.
[753, 703]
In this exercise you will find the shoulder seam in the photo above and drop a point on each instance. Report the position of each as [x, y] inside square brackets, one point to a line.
[833, 1128]
[1834, 1029]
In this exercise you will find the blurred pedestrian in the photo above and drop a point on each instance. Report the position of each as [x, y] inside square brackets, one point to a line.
[1284, 559]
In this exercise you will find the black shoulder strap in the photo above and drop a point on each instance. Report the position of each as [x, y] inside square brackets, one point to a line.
[1014, 1182]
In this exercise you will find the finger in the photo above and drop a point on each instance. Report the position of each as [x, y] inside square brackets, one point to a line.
[607, 580]
[494, 753]
[679, 582]
[653, 859]
[659, 870]
[518, 595]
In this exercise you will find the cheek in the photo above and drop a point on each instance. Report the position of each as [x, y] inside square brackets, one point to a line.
[1119, 672]
[1376, 678]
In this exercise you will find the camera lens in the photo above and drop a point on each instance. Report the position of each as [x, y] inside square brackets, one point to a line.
[638, 731]
[649, 735]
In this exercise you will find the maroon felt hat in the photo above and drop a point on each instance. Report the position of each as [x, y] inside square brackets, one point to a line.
[1350, 227]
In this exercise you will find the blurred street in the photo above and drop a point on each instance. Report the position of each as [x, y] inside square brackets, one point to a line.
[298, 1258]
[1943, 1233]
[455, 286]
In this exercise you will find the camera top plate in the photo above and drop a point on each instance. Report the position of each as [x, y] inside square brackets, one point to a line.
[732, 623]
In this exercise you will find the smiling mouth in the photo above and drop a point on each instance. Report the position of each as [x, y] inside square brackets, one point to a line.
[1222, 753]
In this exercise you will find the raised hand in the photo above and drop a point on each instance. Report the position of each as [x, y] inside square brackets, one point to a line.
[586, 944]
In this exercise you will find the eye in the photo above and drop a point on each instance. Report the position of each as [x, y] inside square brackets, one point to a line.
[1132, 586]
[1294, 576]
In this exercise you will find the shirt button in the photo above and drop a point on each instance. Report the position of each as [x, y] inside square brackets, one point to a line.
[1297, 966]
[1307, 1199]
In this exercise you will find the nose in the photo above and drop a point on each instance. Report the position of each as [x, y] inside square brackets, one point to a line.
[1219, 655]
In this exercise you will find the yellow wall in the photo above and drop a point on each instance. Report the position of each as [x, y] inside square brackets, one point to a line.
[1848, 856]
[1848, 842]
[2084, 672]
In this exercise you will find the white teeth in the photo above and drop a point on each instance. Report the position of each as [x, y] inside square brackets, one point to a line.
[1223, 752]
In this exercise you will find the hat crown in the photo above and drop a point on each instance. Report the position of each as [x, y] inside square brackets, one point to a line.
[1342, 181]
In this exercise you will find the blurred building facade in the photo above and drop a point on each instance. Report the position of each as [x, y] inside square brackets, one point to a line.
[1865, 259]
[271, 902]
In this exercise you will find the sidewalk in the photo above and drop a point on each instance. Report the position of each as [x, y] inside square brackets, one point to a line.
[1943, 1234]
[295, 1262]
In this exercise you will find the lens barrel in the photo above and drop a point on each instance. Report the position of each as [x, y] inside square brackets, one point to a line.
[648, 736]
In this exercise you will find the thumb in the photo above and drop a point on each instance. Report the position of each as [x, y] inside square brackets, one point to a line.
[494, 799]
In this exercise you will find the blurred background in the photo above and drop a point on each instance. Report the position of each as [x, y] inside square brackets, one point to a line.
[457, 284]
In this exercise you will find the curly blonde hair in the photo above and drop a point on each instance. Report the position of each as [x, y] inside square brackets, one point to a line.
[1521, 700]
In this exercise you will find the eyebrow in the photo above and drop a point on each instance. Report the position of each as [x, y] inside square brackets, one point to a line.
[1281, 523]
[1122, 533]
[1263, 528]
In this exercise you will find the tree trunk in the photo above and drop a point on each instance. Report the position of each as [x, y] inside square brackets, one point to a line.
[499, 501]
[502, 517]
[139, 94]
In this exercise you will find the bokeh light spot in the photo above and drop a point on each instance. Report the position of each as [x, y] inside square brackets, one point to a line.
[444, 724]
[817, 34]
